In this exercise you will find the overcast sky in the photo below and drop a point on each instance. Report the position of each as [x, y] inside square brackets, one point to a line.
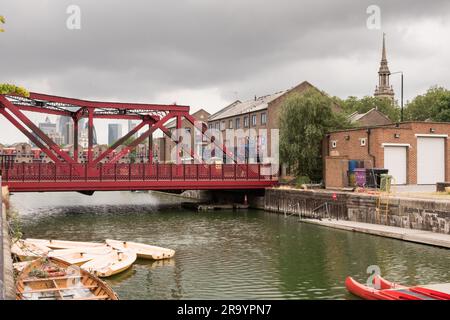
[208, 53]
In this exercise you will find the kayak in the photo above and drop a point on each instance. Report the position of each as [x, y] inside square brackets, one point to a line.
[143, 251]
[391, 291]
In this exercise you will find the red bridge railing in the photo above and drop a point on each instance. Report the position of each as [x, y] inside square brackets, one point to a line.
[51, 172]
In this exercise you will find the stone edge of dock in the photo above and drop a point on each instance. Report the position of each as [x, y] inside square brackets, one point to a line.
[6, 267]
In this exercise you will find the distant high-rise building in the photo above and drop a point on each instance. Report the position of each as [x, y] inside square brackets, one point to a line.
[384, 89]
[63, 123]
[114, 132]
[49, 129]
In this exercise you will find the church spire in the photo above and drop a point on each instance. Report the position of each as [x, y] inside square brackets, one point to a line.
[384, 89]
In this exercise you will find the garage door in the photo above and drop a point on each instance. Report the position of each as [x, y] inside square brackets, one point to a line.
[395, 160]
[430, 160]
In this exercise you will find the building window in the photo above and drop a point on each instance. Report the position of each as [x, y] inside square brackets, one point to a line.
[216, 125]
[210, 126]
[254, 120]
[246, 122]
[238, 123]
[230, 124]
[222, 126]
[334, 144]
[263, 118]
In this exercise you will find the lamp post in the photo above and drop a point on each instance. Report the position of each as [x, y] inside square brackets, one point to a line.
[401, 112]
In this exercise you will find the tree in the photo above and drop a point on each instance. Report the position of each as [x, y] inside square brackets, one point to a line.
[384, 105]
[305, 119]
[434, 105]
[6, 88]
[2, 21]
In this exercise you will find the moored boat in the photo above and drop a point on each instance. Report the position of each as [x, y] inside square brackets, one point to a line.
[63, 244]
[390, 291]
[80, 256]
[110, 264]
[54, 279]
[143, 251]
[25, 250]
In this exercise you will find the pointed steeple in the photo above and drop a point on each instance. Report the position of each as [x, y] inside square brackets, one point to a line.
[383, 57]
[384, 89]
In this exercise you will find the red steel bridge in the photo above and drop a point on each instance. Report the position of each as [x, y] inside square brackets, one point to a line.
[105, 173]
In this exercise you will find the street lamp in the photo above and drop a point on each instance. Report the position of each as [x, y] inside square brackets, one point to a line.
[401, 112]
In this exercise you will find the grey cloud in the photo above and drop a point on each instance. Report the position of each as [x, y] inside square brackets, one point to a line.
[134, 50]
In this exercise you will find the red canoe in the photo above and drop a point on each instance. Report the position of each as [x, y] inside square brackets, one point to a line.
[391, 291]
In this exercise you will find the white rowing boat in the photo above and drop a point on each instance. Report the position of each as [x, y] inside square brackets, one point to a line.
[63, 244]
[26, 250]
[143, 251]
[110, 264]
[80, 256]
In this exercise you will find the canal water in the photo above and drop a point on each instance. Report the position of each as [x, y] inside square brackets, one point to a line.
[226, 255]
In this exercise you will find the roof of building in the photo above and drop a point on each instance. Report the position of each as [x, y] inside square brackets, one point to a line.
[257, 104]
[172, 123]
[239, 107]
[355, 116]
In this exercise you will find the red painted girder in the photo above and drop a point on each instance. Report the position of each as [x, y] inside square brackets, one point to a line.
[137, 185]
[52, 145]
[113, 105]
[192, 120]
[144, 136]
[28, 134]
[44, 110]
[120, 142]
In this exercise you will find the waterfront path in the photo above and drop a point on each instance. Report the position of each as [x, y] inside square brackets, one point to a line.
[412, 235]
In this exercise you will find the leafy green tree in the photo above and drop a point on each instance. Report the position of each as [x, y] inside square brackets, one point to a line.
[434, 105]
[305, 119]
[2, 21]
[6, 88]
[384, 105]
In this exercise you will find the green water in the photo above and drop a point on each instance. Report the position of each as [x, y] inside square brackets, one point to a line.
[226, 255]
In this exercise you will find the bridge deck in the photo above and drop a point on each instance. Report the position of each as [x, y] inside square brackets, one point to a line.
[40, 177]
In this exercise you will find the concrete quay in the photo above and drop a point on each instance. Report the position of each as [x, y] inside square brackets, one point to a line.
[411, 235]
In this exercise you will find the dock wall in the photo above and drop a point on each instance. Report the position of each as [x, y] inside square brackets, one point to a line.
[7, 286]
[426, 215]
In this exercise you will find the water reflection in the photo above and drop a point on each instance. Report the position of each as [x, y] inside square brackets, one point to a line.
[226, 255]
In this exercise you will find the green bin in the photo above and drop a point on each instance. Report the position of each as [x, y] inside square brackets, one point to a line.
[386, 182]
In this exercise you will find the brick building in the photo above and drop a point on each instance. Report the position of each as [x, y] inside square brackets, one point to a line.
[372, 117]
[163, 145]
[413, 152]
[258, 113]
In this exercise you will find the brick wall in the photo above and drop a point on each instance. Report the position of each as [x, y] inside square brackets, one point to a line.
[348, 144]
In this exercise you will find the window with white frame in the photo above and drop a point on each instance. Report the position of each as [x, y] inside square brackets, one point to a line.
[254, 120]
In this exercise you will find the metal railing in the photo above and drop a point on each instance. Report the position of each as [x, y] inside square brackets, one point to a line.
[51, 172]
[315, 209]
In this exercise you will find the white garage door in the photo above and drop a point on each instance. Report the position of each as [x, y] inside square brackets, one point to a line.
[430, 160]
[395, 160]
